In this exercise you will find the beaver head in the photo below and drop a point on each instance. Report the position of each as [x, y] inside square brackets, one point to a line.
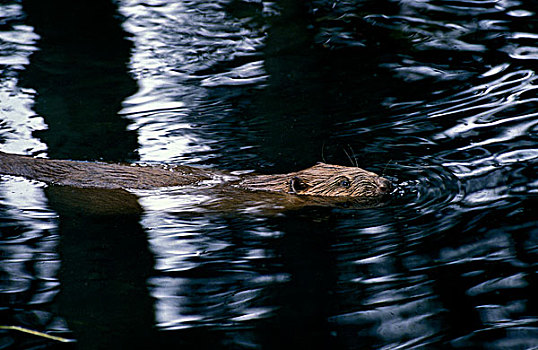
[322, 180]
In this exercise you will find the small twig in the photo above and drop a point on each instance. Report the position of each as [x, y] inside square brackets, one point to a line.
[36, 333]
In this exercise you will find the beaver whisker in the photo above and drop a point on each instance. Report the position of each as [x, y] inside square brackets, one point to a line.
[385, 168]
[322, 152]
[353, 160]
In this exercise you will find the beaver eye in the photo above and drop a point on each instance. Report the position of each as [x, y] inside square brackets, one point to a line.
[344, 183]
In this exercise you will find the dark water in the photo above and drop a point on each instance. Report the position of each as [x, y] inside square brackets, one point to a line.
[440, 96]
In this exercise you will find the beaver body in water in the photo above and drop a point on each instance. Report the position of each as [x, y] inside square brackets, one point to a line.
[321, 180]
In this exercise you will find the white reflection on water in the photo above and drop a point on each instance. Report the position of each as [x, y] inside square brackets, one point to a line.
[250, 73]
[28, 240]
[17, 119]
[28, 249]
[173, 43]
[202, 278]
[162, 132]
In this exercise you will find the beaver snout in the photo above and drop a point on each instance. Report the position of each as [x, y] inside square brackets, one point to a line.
[384, 185]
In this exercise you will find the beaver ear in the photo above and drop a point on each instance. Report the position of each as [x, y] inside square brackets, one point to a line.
[297, 185]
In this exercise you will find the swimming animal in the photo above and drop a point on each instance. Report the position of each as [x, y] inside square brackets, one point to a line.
[320, 180]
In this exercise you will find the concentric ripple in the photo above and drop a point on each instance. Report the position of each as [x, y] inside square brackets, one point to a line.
[425, 188]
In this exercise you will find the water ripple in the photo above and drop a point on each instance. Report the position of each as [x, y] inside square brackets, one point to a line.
[426, 188]
[439, 96]
[182, 51]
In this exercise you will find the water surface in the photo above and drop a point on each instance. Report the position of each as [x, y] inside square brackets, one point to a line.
[439, 96]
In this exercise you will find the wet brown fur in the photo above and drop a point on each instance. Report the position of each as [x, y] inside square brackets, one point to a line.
[321, 180]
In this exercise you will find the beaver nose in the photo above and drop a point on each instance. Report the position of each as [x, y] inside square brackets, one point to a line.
[384, 185]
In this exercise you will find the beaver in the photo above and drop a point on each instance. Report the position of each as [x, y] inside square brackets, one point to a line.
[320, 180]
